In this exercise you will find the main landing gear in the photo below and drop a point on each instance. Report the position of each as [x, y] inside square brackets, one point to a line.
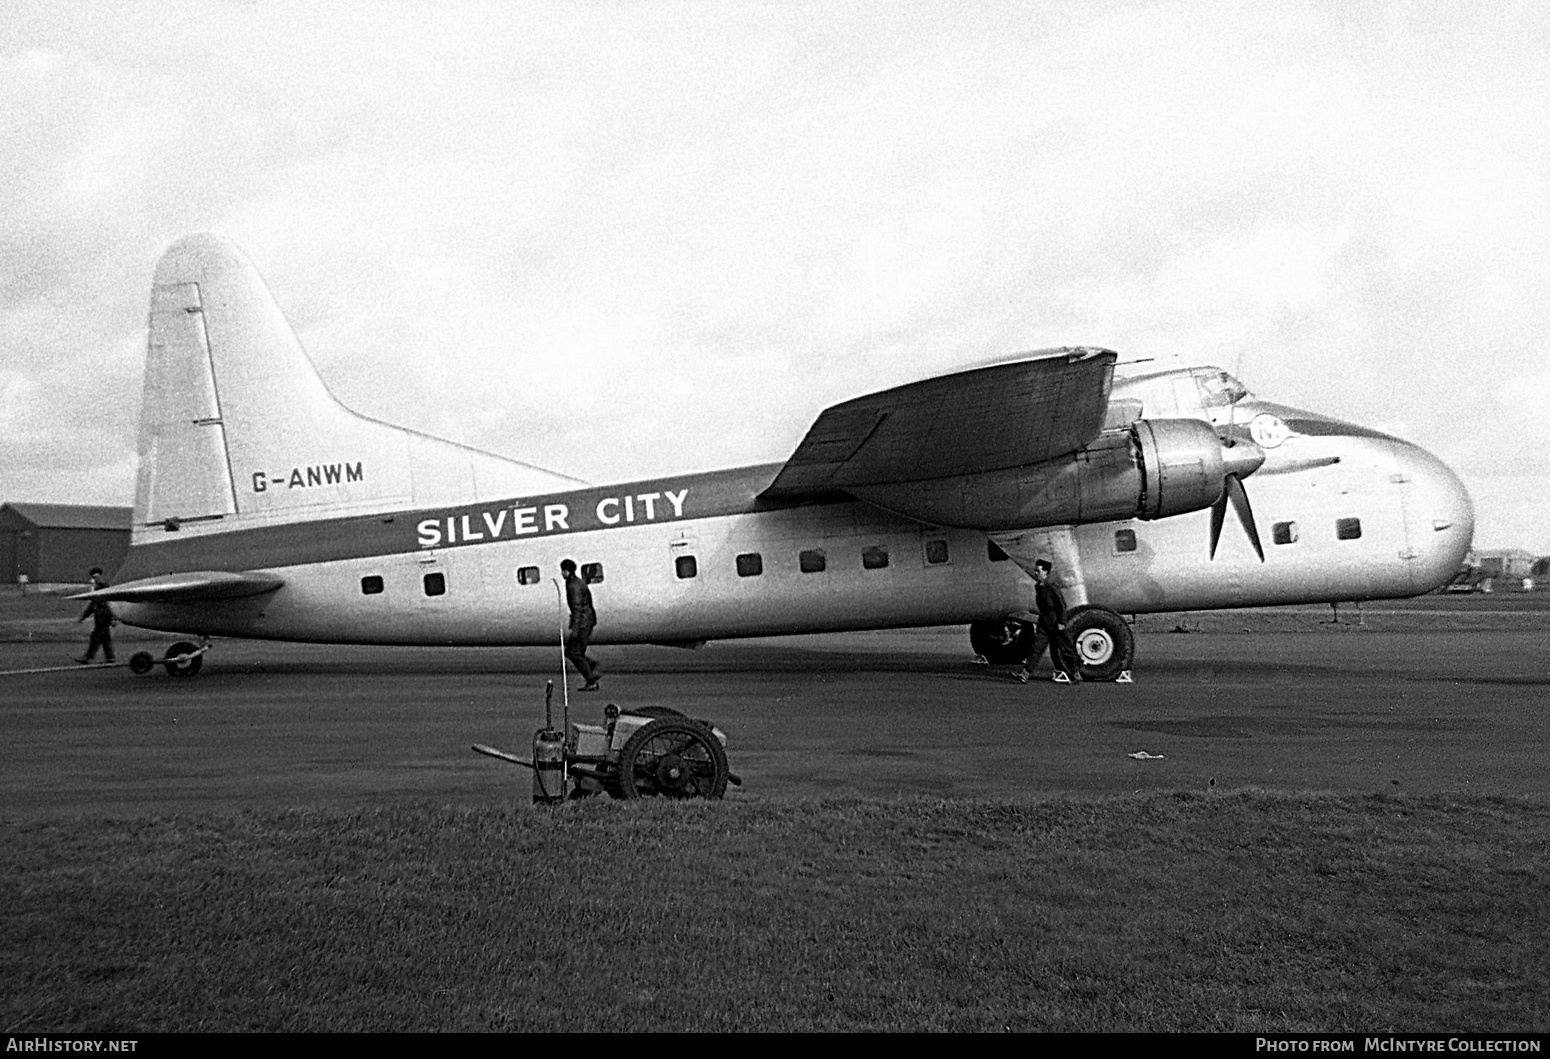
[1105, 646]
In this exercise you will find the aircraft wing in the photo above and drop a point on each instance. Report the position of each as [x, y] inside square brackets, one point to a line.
[187, 587]
[981, 419]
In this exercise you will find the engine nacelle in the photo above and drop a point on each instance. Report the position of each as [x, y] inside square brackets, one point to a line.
[1150, 469]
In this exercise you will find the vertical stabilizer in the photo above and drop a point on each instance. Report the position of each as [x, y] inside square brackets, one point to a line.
[237, 424]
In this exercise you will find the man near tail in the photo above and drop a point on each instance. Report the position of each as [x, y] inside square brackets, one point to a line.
[582, 620]
[1051, 629]
[101, 614]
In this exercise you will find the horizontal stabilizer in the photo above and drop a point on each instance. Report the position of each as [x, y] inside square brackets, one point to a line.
[983, 419]
[188, 587]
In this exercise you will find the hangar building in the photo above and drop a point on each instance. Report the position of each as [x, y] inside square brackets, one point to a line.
[58, 543]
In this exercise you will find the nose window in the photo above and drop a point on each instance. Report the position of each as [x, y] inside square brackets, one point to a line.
[1219, 389]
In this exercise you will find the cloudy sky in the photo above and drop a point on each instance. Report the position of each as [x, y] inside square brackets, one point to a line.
[629, 239]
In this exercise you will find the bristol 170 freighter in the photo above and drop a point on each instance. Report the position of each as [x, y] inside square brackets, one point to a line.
[266, 509]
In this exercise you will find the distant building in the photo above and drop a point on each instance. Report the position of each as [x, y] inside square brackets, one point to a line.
[58, 543]
[1496, 569]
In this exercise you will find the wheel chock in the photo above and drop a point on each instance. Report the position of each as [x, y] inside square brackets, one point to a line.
[1124, 677]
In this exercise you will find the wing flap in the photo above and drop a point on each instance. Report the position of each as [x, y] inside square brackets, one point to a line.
[193, 586]
[1008, 414]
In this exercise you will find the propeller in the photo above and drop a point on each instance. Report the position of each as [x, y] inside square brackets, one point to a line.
[1240, 458]
[1232, 490]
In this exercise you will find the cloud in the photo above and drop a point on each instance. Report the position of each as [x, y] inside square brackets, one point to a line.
[628, 240]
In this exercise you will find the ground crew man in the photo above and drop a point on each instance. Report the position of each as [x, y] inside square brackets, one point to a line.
[101, 614]
[1051, 629]
[582, 619]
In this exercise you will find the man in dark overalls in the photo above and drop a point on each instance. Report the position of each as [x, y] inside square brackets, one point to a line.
[582, 620]
[101, 615]
[1051, 629]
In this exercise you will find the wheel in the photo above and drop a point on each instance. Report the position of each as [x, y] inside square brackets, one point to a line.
[177, 665]
[675, 758]
[1003, 642]
[141, 663]
[1105, 646]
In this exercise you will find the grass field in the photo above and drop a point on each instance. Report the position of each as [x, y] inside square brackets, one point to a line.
[1249, 911]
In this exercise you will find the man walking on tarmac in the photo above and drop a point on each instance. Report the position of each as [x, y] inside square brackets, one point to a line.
[101, 614]
[1051, 629]
[582, 619]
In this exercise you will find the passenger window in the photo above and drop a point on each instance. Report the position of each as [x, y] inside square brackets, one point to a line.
[1284, 533]
[750, 564]
[529, 575]
[371, 585]
[1125, 540]
[812, 561]
[436, 584]
[996, 554]
[874, 557]
[686, 567]
[1348, 529]
[591, 573]
[936, 552]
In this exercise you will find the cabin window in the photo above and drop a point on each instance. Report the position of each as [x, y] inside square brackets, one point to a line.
[874, 557]
[1284, 533]
[591, 573]
[812, 561]
[371, 585]
[1348, 529]
[936, 552]
[686, 567]
[1125, 540]
[750, 564]
[994, 552]
[436, 584]
[529, 575]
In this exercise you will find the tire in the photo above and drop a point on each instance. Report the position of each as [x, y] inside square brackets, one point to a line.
[1105, 646]
[673, 757]
[177, 665]
[141, 663]
[654, 711]
[1001, 643]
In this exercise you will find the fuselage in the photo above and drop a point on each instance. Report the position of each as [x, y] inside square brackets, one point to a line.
[1344, 513]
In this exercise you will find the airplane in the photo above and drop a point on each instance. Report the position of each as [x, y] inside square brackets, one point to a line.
[266, 509]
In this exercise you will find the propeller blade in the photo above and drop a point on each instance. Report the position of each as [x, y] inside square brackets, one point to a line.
[1218, 513]
[1240, 503]
[1293, 466]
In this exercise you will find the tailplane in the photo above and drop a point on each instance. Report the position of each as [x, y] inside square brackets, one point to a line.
[236, 425]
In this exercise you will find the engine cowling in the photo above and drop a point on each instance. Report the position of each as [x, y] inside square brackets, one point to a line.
[1148, 470]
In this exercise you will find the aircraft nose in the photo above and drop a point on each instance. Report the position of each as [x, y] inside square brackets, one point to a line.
[1441, 517]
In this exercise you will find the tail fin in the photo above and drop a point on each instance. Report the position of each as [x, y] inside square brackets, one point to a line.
[236, 423]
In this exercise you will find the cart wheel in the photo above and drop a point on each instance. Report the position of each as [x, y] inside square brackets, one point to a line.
[175, 663]
[674, 757]
[141, 663]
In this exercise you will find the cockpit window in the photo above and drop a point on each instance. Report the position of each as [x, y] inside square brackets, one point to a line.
[1219, 389]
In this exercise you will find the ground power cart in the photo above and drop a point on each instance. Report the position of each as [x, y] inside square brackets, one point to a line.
[639, 753]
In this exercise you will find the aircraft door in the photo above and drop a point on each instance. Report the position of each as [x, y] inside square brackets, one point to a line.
[430, 592]
[1401, 481]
